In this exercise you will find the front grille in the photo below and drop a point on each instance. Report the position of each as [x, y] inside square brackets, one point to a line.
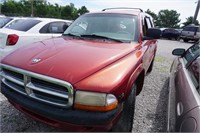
[42, 88]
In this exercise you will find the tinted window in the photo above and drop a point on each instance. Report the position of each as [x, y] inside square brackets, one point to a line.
[13, 22]
[149, 24]
[4, 21]
[192, 53]
[116, 26]
[24, 25]
[54, 27]
[194, 70]
[190, 29]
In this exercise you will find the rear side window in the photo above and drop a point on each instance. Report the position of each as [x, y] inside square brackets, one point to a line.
[4, 21]
[24, 25]
[190, 29]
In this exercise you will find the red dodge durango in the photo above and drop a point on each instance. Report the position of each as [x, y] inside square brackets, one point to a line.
[87, 79]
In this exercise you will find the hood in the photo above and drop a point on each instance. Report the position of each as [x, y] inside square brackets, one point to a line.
[67, 59]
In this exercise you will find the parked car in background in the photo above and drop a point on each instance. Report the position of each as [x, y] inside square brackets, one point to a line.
[190, 33]
[87, 79]
[184, 91]
[29, 30]
[4, 20]
[170, 33]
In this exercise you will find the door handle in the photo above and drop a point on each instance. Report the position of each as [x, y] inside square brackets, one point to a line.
[179, 109]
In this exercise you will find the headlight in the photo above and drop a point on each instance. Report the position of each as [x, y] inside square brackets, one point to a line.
[92, 101]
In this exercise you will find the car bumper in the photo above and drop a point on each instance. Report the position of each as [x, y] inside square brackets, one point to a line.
[190, 37]
[67, 119]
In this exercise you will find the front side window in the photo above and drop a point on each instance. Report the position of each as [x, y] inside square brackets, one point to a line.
[115, 26]
[192, 62]
[194, 71]
[192, 53]
[54, 27]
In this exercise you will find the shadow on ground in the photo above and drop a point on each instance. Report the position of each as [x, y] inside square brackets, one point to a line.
[160, 118]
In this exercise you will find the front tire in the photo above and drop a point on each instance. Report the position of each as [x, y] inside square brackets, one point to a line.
[151, 66]
[125, 123]
[185, 40]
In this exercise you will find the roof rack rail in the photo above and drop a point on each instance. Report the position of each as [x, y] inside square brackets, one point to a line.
[123, 8]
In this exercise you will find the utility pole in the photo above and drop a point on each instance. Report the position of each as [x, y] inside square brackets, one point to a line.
[32, 8]
[1, 1]
[196, 12]
[0, 8]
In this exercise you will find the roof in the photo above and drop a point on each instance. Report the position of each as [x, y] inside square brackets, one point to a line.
[47, 19]
[120, 11]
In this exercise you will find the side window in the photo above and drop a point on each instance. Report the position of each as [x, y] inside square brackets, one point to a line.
[145, 27]
[192, 53]
[147, 23]
[194, 70]
[54, 27]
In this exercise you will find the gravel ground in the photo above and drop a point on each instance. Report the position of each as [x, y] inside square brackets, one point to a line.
[151, 104]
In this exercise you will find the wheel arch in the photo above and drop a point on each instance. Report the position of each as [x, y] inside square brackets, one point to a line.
[136, 78]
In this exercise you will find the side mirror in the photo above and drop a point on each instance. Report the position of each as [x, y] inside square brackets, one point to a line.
[152, 33]
[178, 51]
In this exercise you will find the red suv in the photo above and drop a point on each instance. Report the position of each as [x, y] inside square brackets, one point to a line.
[87, 79]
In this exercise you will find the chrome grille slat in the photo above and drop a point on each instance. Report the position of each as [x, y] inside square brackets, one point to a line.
[12, 79]
[42, 88]
[4, 81]
[31, 86]
[62, 105]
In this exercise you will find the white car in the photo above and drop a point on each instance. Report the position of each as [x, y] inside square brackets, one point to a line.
[28, 31]
[5, 21]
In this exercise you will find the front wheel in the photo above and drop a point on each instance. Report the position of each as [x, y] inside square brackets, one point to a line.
[185, 40]
[151, 66]
[125, 123]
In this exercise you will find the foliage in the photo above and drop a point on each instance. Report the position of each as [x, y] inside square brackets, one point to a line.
[154, 16]
[41, 8]
[168, 18]
[189, 21]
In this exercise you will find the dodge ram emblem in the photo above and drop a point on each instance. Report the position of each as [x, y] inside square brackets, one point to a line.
[36, 60]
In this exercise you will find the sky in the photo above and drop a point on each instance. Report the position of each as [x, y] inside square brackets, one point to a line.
[186, 8]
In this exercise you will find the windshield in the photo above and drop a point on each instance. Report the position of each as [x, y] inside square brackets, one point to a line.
[4, 21]
[114, 26]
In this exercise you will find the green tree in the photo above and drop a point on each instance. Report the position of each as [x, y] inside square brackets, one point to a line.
[82, 10]
[189, 21]
[154, 16]
[41, 9]
[168, 18]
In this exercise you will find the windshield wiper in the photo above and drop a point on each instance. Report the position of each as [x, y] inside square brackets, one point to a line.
[101, 37]
[73, 35]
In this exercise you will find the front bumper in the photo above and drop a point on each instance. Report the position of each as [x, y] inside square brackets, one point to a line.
[67, 119]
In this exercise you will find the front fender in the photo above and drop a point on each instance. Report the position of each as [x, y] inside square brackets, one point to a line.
[115, 78]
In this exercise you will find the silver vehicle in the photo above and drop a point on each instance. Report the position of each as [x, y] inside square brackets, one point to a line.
[190, 32]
